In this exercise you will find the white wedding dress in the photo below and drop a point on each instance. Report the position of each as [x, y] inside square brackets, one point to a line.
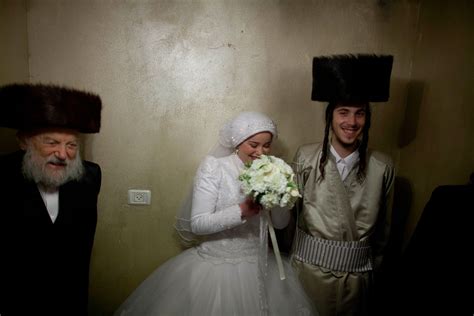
[221, 276]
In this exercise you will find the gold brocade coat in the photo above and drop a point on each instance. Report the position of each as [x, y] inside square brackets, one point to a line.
[347, 210]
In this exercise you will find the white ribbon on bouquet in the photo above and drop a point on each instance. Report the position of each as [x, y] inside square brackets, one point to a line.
[276, 250]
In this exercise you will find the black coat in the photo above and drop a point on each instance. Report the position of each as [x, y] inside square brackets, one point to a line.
[434, 274]
[44, 267]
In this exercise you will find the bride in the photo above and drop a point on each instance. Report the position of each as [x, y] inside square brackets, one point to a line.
[229, 271]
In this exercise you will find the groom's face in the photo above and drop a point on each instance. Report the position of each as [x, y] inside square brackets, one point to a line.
[348, 123]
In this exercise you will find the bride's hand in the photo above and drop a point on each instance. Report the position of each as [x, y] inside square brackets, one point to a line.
[249, 208]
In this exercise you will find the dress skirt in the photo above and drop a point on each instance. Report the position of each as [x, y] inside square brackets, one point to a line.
[194, 284]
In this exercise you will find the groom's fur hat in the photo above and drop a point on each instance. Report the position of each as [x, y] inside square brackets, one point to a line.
[32, 106]
[351, 78]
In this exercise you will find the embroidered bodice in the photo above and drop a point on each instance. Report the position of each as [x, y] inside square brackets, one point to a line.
[216, 212]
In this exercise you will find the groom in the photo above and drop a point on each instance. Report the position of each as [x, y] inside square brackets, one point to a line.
[342, 220]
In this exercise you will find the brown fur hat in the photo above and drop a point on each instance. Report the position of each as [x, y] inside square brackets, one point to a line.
[351, 78]
[32, 106]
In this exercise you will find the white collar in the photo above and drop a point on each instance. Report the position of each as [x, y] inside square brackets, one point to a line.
[51, 200]
[349, 160]
[345, 165]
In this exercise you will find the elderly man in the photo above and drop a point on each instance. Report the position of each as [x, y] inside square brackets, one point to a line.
[49, 200]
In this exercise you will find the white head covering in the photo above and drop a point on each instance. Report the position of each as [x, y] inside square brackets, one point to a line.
[231, 135]
[237, 130]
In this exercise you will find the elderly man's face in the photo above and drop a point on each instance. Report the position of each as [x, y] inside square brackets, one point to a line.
[60, 145]
[51, 156]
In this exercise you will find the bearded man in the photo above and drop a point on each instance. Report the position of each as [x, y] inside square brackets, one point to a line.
[49, 200]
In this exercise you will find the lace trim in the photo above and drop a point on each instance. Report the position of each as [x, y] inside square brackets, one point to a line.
[222, 260]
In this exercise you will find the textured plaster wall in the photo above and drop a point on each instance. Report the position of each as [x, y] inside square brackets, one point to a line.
[437, 143]
[171, 72]
[13, 56]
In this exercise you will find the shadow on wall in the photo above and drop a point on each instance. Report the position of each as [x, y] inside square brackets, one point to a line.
[8, 143]
[403, 191]
[408, 129]
[402, 204]
[87, 147]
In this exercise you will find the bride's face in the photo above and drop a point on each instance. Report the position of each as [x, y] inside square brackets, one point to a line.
[254, 146]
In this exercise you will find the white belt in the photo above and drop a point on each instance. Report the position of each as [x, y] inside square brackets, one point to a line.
[346, 256]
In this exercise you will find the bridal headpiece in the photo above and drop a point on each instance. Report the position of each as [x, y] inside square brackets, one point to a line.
[243, 126]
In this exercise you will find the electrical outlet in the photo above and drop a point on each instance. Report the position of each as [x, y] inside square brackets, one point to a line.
[139, 197]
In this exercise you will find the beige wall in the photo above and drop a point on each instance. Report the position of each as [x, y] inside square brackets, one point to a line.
[171, 72]
[438, 143]
[13, 56]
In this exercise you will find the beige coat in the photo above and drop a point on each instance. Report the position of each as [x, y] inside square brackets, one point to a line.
[342, 211]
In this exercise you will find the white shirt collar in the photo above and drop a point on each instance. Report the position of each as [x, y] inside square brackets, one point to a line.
[51, 201]
[351, 159]
[345, 165]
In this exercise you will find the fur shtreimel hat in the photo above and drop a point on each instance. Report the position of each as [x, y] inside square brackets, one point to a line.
[351, 78]
[32, 106]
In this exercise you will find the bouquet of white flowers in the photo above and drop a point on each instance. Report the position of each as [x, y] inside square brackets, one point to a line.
[270, 181]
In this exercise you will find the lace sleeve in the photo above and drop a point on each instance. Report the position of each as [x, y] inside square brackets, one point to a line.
[205, 218]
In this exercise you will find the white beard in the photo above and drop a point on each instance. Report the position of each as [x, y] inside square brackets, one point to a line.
[35, 168]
